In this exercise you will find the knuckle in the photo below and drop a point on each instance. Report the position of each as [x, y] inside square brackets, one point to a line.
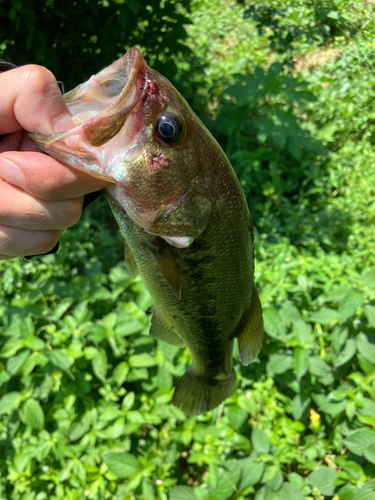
[38, 78]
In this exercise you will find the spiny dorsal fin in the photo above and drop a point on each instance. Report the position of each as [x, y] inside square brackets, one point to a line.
[130, 262]
[167, 264]
[160, 329]
[250, 336]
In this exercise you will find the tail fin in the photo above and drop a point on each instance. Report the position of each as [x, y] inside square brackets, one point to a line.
[196, 394]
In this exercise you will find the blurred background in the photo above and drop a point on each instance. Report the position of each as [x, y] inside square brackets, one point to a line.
[287, 88]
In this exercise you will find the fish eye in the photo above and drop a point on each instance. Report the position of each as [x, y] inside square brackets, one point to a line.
[111, 88]
[169, 128]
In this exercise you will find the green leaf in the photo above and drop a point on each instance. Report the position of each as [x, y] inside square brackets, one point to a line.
[279, 363]
[346, 354]
[365, 347]
[100, 365]
[369, 452]
[141, 361]
[319, 368]
[273, 324]
[302, 361]
[182, 493]
[79, 429]
[15, 363]
[129, 327]
[252, 473]
[11, 347]
[273, 477]
[120, 373]
[60, 359]
[236, 416]
[366, 493]
[347, 492]
[32, 414]
[324, 316]
[8, 403]
[358, 440]
[260, 441]
[121, 465]
[368, 278]
[289, 492]
[350, 304]
[324, 480]
[370, 314]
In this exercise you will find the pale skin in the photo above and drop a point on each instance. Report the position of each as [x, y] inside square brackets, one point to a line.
[39, 196]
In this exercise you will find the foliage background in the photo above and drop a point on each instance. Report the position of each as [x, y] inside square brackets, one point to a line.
[288, 90]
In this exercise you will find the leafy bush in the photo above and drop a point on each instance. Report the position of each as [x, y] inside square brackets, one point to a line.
[84, 391]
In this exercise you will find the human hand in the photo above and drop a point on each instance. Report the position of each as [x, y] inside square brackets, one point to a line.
[39, 196]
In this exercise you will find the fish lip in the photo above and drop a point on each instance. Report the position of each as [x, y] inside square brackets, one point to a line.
[131, 66]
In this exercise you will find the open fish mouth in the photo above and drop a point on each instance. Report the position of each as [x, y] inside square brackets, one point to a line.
[99, 108]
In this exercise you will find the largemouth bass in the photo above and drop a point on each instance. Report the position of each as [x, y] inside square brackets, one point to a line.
[182, 213]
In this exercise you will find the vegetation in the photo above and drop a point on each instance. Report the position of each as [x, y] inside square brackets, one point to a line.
[288, 89]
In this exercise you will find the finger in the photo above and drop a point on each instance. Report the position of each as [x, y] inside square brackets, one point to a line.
[23, 211]
[19, 242]
[44, 177]
[31, 99]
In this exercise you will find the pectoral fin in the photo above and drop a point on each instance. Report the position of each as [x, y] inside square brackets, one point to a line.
[165, 259]
[130, 262]
[250, 336]
[160, 329]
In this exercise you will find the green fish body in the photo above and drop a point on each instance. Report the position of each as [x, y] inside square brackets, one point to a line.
[183, 216]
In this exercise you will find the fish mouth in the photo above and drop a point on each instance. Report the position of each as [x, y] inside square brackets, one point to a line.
[110, 88]
[99, 109]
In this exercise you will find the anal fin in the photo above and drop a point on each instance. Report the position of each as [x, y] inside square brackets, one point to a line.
[161, 330]
[250, 334]
[130, 262]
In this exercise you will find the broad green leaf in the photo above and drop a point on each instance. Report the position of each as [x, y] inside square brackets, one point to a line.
[365, 347]
[15, 363]
[368, 279]
[347, 353]
[8, 403]
[32, 414]
[122, 465]
[370, 314]
[289, 492]
[301, 360]
[350, 304]
[367, 492]
[347, 492]
[273, 324]
[279, 363]
[369, 452]
[319, 368]
[228, 479]
[260, 441]
[358, 440]
[60, 359]
[11, 347]
[79, 429]
[236, 416]
[129, 327]
[324, 480]
[141, 361]
[100, 365]
[273, 477]
[252, 473]
[324, 316]
[182, 493]
[120, 373]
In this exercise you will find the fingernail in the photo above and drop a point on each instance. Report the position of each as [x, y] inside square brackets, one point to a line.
[63, 122]
[11, 173]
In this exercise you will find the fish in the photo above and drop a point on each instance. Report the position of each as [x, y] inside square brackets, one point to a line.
[183, 215]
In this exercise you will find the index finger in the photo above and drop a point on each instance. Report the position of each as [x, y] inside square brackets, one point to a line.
[31, 99]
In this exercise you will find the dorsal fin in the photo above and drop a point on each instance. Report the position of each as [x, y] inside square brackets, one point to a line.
[250, 335]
